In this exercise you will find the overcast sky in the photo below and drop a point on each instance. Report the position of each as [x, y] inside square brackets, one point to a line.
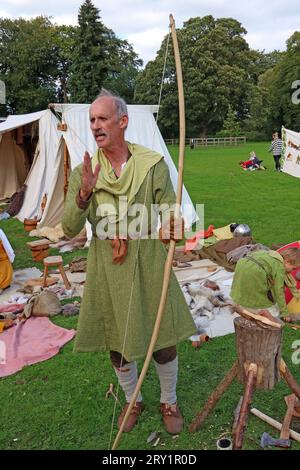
[144, 23]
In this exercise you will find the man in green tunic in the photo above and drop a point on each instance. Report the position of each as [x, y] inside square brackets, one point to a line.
[259, 279]
[125, 266]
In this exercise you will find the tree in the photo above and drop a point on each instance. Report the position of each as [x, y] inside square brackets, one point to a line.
[28, 63]
[122, 67]
[89, 68]
[284, 109]
[217, 71]
[231, 126]
[65, 39]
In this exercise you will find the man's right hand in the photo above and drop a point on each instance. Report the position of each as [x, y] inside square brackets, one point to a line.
[89, 178]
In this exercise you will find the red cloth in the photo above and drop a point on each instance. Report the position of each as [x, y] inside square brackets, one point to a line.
[12, 308]
[36, 340]
[192, 242]
[247, 163]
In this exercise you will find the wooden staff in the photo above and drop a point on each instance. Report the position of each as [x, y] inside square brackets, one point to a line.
[169, 260]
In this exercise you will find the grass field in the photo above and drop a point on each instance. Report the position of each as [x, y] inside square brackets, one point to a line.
[60, 403]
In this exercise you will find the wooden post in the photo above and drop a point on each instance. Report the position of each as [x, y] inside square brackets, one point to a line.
[236, 415]
[243, 416]
[258, 344]
[289, 378]
[285, 430]
[62, 126]
[66, 169]
[213, 398]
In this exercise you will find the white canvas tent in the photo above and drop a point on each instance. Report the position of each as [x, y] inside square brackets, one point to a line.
[291, 146]
[46, 175]
[40, 178]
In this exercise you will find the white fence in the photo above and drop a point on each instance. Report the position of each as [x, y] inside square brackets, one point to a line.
[210, 141]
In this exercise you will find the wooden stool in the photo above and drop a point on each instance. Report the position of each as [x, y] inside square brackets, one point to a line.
[55, 261]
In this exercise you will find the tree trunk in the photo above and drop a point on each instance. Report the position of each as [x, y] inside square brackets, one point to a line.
[260, 345]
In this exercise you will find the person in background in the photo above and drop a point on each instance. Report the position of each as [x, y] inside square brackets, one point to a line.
[254, 158]
[259, 279]
[276, 149]
[7, 257]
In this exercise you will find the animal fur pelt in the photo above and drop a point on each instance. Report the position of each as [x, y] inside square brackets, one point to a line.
[204, 299]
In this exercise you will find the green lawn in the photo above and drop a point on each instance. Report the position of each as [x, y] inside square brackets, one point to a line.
[60, 404]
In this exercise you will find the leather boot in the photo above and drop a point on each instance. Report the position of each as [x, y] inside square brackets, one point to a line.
[172, 418]
[133, 417]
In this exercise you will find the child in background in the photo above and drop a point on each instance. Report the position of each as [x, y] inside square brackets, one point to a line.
[259, 280]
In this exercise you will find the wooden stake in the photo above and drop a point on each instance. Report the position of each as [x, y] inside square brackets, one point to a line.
[285, 430]
[213, 398]
[289, 378]
[236, 415]
[247, 397]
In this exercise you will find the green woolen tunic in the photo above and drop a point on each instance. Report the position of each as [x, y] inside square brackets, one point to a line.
[106, 297]
[250, 284]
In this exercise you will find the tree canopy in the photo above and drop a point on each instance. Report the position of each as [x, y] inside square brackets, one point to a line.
[228, 86]
[41, 62]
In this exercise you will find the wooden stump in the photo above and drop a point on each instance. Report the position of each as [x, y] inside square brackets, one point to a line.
[260, 345]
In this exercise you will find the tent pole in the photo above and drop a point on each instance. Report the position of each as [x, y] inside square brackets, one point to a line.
[66, 169]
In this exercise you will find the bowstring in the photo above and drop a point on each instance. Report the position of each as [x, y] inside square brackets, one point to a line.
[139, 238]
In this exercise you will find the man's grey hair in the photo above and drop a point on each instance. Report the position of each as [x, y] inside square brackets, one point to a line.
[121, 106]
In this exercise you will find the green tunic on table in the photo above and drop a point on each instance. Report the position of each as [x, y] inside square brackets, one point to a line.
[250, 284]
[106, 298]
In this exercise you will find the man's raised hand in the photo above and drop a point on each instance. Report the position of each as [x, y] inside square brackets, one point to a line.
[89, 178]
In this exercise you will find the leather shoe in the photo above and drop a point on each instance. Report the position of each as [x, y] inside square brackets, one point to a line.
[172, 418]
[137, 409]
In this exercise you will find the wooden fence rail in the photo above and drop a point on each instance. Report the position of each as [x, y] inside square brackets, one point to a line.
[210, 141]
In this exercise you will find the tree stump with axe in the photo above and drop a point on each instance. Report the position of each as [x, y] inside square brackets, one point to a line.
[258, 365]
